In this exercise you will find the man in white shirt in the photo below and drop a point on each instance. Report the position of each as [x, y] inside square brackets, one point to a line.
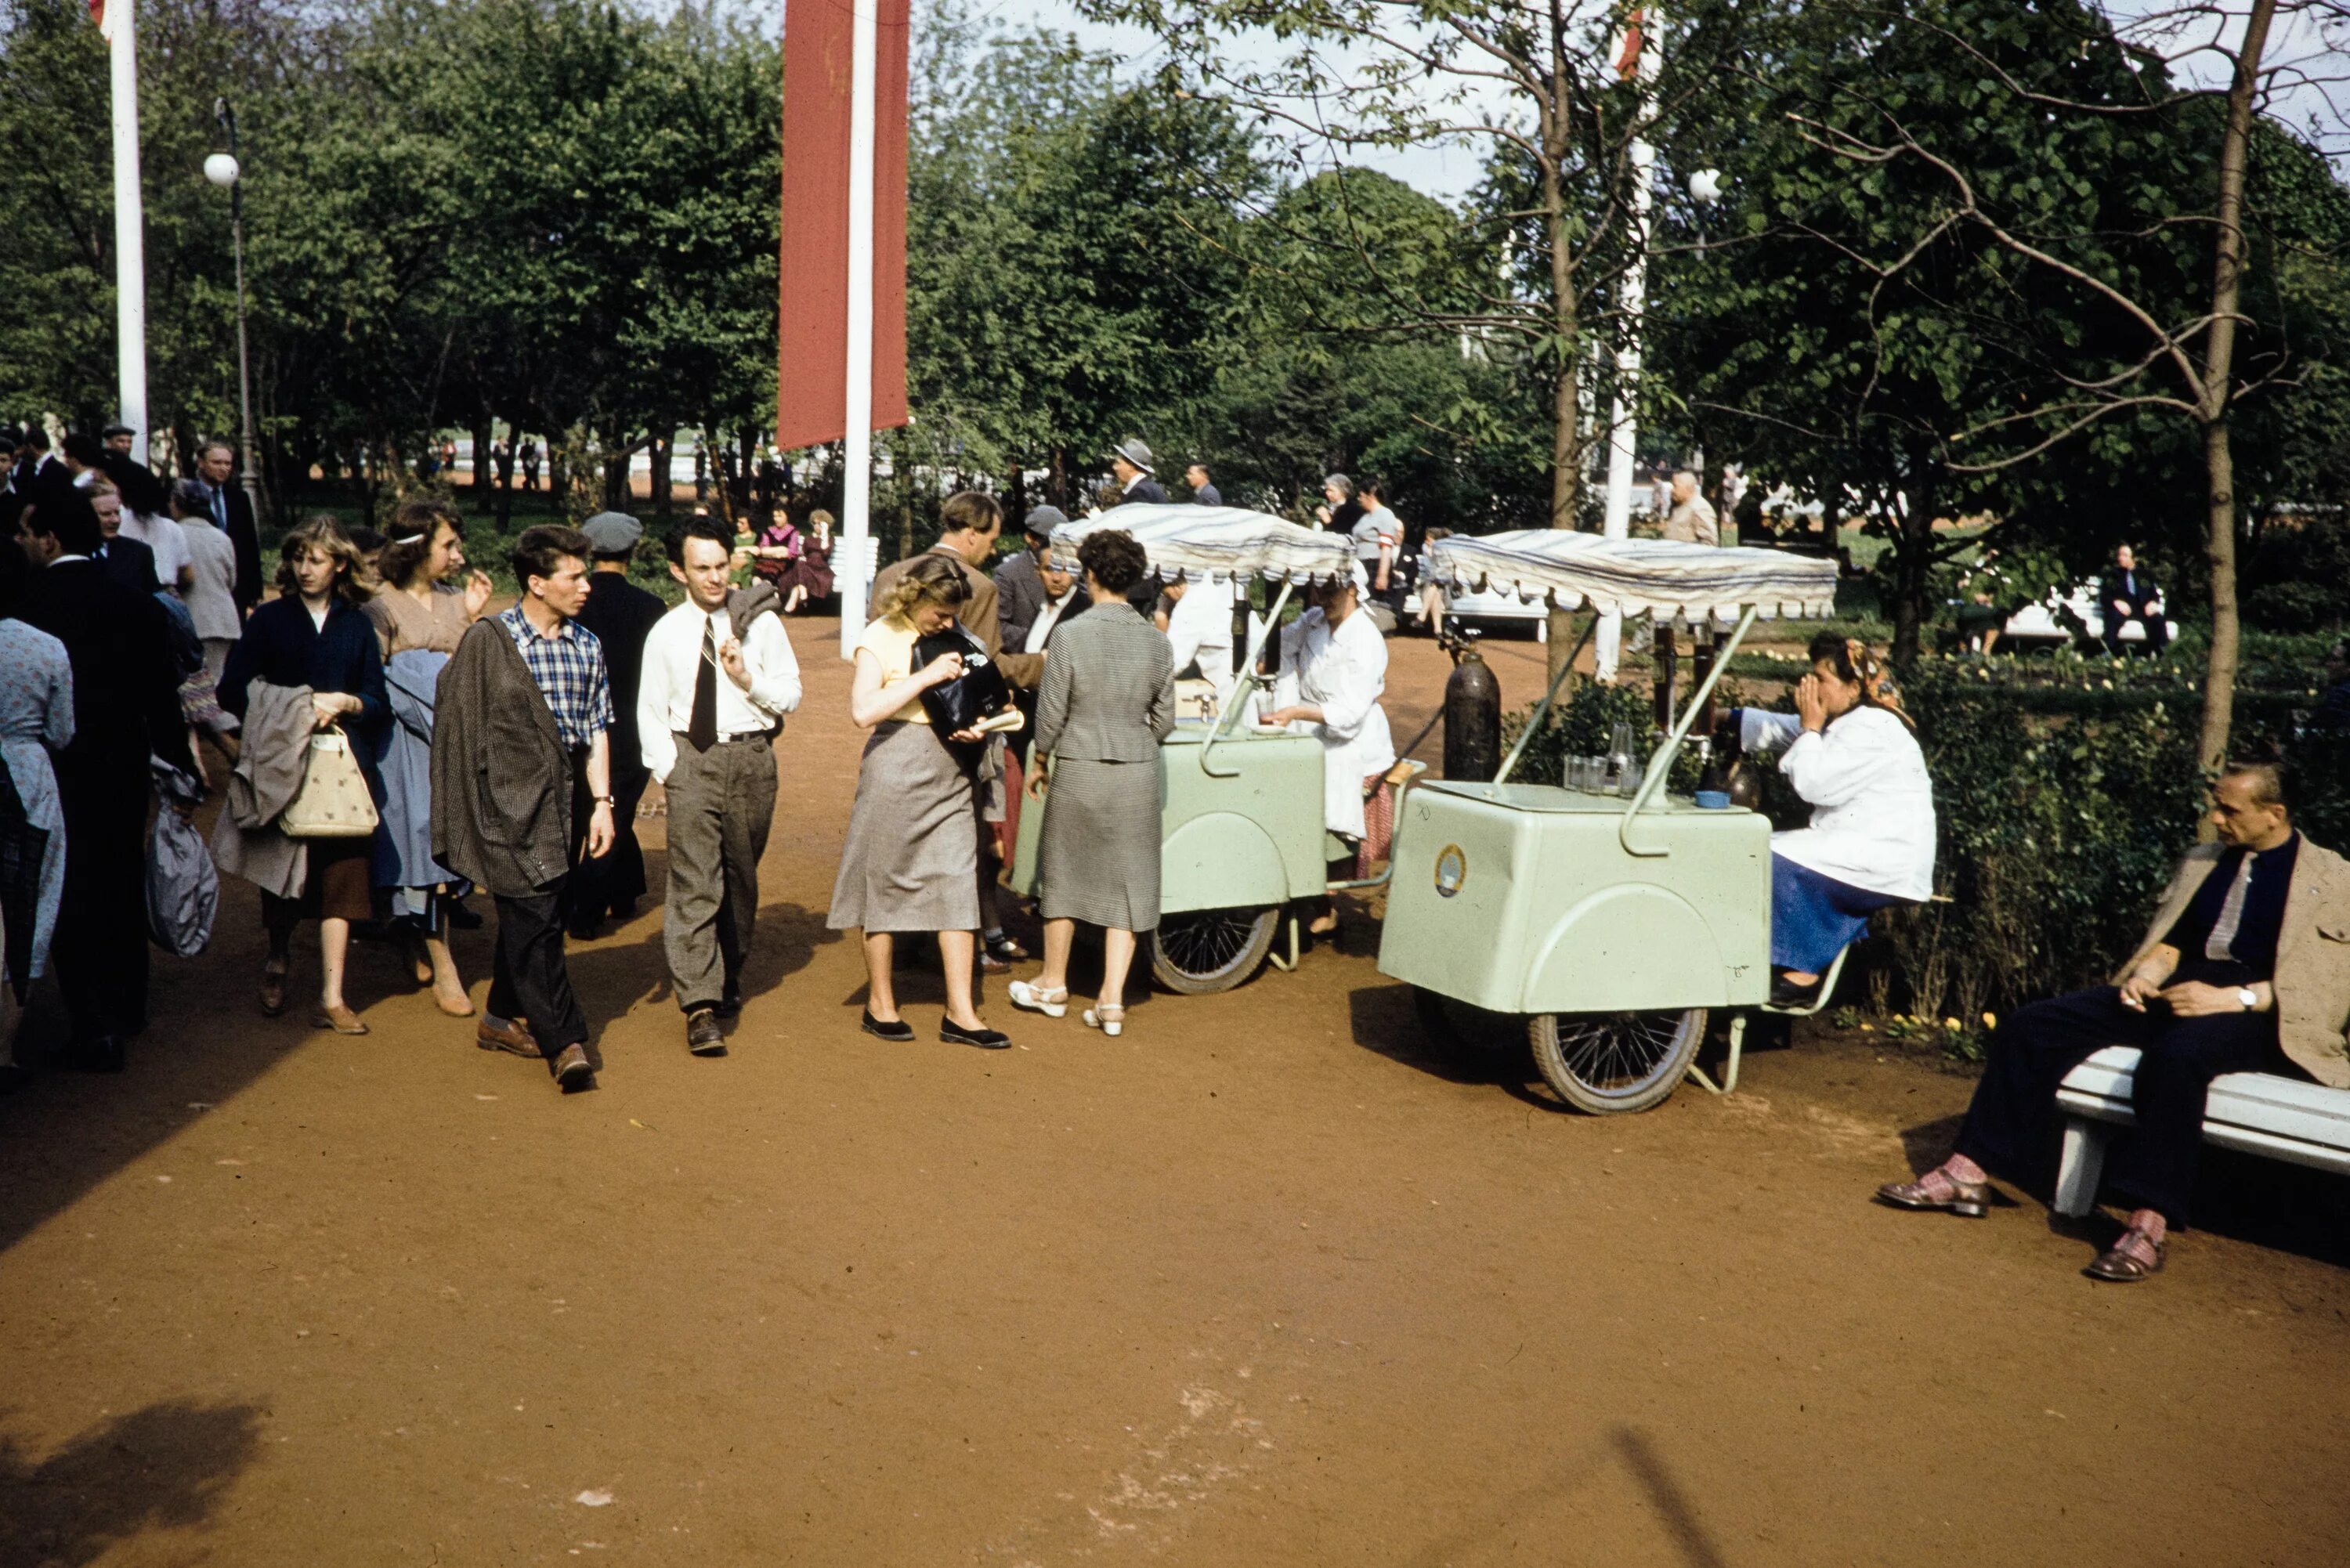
[712, 698]
[174, 562]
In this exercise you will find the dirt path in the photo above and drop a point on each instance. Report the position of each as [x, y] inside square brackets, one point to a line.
[1261, 1283]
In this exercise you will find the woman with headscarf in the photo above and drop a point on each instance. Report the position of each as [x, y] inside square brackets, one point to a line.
[1852, 756]
[1333, 671]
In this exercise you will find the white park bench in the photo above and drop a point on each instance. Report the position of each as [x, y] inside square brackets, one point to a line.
[2258, 1112]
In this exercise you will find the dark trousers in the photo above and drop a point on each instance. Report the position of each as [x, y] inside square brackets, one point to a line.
[2158, 630]
[530, 978]
[612, 885]
[99, 947]
[2013, 1127]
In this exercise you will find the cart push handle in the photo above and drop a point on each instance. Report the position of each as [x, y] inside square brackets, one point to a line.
[1660, 765]
[1240, 693]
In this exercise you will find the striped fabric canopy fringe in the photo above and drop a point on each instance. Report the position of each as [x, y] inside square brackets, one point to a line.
[1679, 584]
[1216, 543]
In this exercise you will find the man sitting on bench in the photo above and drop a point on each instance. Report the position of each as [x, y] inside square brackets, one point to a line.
[2246, 968]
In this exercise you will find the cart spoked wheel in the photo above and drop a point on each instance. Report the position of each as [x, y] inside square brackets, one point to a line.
[1602, 1063]
[1211, 950]
[1470, 1034]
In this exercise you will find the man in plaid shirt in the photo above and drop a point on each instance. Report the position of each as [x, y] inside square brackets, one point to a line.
[531, 1010]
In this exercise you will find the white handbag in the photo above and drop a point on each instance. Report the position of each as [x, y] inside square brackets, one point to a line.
[333, 802]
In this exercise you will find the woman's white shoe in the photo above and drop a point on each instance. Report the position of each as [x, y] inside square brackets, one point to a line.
[1110, 1021]
[1037, 999]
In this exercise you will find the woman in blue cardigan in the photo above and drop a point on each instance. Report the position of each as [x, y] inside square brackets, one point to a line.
[314, 634]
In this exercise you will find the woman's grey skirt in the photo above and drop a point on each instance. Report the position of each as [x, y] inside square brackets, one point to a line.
[1098, 854]
[911, 862]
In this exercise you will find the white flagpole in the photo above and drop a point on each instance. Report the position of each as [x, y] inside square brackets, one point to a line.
[129, 229]
[857, 454]
[1624, 419]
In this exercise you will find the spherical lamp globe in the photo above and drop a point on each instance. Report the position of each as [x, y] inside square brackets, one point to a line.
[1705, 186]
[221, 169]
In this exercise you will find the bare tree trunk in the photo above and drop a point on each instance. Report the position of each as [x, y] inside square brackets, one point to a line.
[1913, 574]
[664, 487]
[2218, 375]
[484, 471]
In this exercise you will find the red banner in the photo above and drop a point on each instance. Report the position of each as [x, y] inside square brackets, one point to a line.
[812, 338]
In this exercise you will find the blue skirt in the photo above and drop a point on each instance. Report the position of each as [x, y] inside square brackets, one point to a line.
[1814, 918]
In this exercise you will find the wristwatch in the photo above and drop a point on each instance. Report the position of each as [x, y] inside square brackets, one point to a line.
[2249, 997]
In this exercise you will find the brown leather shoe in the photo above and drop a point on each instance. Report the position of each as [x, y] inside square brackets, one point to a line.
[702, 1036]
[572, 1068]
[510, 1036]
[341, 1020]
[1935, 1190]
[273, 992]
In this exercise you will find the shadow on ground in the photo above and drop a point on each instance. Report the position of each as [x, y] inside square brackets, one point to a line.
[164, 1468]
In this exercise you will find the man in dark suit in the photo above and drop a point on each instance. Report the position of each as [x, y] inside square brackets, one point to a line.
[34, 465]
[1203, 489]
[1020, 596]
[126, 705]
[127, 560]
[2130, 596]
[231, 513]
[1130, 461]
[621, 615]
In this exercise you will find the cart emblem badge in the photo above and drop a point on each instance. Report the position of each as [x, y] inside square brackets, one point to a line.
[1451, 870]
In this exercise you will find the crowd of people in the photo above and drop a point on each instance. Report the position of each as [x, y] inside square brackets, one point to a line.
[397, 748]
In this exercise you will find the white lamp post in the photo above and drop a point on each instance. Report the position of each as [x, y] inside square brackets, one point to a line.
[223, 169]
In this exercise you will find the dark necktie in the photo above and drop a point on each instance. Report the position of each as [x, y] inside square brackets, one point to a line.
[702, 729]
[220, 508]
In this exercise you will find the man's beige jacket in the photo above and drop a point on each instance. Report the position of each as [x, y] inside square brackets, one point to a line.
[2312, 957]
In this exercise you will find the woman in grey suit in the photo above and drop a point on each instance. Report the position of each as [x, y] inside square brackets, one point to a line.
[1106, 701]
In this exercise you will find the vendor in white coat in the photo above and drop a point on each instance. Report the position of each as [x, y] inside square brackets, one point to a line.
[1333, 671]
[1853, 754]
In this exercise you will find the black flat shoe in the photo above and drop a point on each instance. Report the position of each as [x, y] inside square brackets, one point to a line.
[1785, 992]
[463, 919]
[898, 1030]
[986, 1039]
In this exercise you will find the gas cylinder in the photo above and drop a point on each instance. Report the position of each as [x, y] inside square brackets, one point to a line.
[1473, 719]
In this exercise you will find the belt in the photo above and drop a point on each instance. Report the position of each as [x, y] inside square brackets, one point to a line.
[684, 740]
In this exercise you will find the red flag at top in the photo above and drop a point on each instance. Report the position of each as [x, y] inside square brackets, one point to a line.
[812, 338]
[1627, 54]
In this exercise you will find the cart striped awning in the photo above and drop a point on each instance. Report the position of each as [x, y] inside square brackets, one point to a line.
[1217, 543]
[1677, 583]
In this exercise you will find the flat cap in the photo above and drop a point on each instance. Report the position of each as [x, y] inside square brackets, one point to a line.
[612, 532]
[1042, 520]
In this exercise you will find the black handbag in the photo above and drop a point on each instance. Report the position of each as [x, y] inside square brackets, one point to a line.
[979, 693]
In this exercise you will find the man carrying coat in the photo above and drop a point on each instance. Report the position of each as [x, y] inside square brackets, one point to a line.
[522, 773]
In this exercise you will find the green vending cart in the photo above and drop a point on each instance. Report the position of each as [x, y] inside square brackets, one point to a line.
[1607, 923]
[1240, 815]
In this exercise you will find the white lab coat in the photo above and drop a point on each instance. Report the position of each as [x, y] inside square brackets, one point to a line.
[1200, 626]
[1872, 802]
[1344, 674]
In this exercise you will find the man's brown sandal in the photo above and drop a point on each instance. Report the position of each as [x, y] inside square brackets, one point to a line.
[2122, 1266]
[1936, 1189]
